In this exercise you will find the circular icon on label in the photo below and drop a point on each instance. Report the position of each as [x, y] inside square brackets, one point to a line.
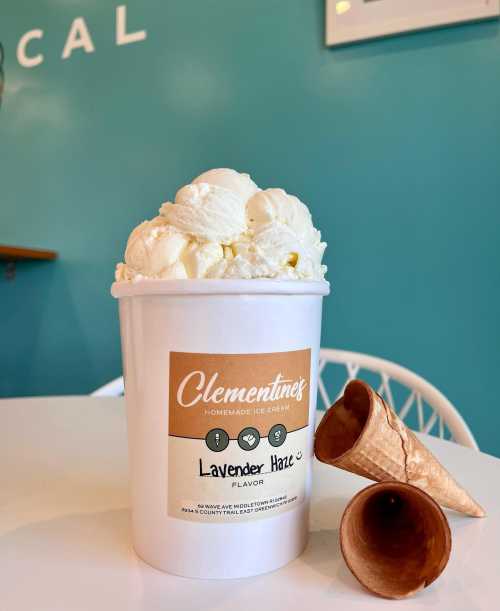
[249, 438]
[277, 435]
[217, 440]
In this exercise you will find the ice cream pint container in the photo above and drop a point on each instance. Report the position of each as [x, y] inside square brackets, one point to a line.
[220, 388]
[220, 301]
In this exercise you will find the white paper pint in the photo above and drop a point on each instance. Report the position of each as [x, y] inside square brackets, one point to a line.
[220, 387]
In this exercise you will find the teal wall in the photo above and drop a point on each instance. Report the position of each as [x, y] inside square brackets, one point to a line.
[394, 144]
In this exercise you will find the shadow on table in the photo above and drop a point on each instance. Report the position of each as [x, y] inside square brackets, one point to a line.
[44, 564]
[323, 551]
[97, 538]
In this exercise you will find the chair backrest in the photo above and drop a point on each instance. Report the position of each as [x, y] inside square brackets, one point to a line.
[415, 400]
[114, 388]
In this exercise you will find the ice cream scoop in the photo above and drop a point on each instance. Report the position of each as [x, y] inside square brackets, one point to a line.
[207, 212]
[154, 248]
[238, 183]
[222, 225]
[273, 206]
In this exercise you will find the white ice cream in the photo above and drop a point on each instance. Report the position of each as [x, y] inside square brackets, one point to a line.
[223, 226]
[207, 212]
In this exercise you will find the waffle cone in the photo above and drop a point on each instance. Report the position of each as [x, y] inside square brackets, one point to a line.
[360, 433]
[395, 539]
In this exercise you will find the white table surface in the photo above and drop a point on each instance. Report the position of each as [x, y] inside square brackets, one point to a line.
[65, 541]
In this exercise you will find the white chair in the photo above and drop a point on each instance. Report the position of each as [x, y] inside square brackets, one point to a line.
[114, 388]
[434, 413]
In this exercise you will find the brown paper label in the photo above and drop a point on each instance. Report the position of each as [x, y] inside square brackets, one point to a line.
[240, 389]
[238, 434]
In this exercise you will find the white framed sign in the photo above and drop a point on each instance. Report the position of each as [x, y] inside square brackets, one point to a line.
[353, 20]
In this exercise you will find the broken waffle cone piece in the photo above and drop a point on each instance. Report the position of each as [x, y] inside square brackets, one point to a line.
[395, 539]
[362, 434]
